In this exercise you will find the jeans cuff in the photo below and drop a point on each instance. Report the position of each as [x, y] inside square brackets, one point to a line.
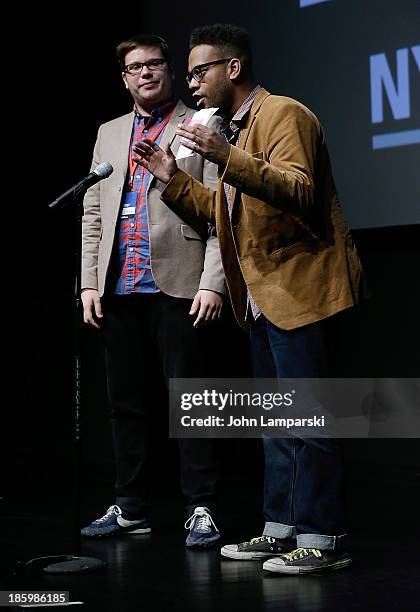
[321, 542]
[278, 530]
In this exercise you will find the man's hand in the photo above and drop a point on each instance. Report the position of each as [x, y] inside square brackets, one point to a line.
[91, 307]
[208, 304]
[207, 142]
[161, 163]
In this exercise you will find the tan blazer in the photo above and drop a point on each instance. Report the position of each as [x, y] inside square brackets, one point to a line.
[184, 258]
[289, 239]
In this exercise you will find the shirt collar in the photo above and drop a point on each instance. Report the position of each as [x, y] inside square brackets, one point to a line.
[231, 128]
[159, 111]
[245, 107]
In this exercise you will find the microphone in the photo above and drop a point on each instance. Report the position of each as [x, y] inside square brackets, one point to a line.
[100, 172]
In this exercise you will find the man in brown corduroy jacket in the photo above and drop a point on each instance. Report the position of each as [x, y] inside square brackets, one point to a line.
[290, 264]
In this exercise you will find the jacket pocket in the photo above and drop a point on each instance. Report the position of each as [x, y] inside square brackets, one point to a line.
[189, 233]
[307, 245]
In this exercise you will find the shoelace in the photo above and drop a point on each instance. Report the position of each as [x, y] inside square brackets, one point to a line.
[204, 521]
[299, 553]
[111, 510]
[262, 539]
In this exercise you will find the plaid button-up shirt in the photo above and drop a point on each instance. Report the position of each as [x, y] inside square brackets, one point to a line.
[134, 274]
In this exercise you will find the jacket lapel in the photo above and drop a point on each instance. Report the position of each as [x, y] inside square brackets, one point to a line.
[169, 134]
[121, 156]
[177, 117]
[261, 96]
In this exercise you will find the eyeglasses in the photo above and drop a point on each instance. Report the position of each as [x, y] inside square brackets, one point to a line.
[137, 67]
[198, 72]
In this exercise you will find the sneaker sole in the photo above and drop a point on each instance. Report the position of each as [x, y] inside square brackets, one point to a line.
[290, 569]
[140, 531]
[246, 556]
[208, 544]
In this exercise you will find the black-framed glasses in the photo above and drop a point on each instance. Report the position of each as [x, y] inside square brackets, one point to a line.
[137, 67]
[199, 71]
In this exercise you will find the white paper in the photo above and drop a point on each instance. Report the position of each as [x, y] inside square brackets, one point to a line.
[202, 117]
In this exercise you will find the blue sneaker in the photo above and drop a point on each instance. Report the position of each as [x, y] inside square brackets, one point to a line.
[113, 522]
[203, 531]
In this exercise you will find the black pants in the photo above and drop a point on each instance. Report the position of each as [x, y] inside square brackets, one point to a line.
[142, 333]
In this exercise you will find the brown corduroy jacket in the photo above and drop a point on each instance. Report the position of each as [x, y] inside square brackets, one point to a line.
[288, 238]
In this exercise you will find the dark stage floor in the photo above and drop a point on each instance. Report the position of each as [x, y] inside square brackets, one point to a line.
[156, 572]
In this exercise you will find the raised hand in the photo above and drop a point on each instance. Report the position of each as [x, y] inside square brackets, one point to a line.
[206, 142]
[161, 163]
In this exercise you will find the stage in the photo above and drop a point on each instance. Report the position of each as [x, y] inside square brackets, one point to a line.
[157, 572]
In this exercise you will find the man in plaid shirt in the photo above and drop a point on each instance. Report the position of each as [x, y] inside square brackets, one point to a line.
[151, 282]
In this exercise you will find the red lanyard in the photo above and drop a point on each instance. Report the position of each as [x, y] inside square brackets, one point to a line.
[133, 166]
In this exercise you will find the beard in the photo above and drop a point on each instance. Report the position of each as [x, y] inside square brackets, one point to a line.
[221, 98]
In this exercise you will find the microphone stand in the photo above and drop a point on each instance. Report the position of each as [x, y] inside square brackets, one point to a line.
[71, 564]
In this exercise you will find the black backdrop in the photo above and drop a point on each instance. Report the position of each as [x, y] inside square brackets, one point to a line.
[319, 54]
[67, 83]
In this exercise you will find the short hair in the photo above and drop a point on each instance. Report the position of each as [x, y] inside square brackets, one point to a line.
[229, 38]
[143, 40]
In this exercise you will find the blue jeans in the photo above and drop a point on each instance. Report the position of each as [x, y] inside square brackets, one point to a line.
[303, 477]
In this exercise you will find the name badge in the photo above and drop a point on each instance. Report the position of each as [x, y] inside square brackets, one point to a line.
[127, 211]
[129, 204]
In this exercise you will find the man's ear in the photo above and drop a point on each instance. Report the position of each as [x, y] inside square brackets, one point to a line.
[124, 78]
[235, 67]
